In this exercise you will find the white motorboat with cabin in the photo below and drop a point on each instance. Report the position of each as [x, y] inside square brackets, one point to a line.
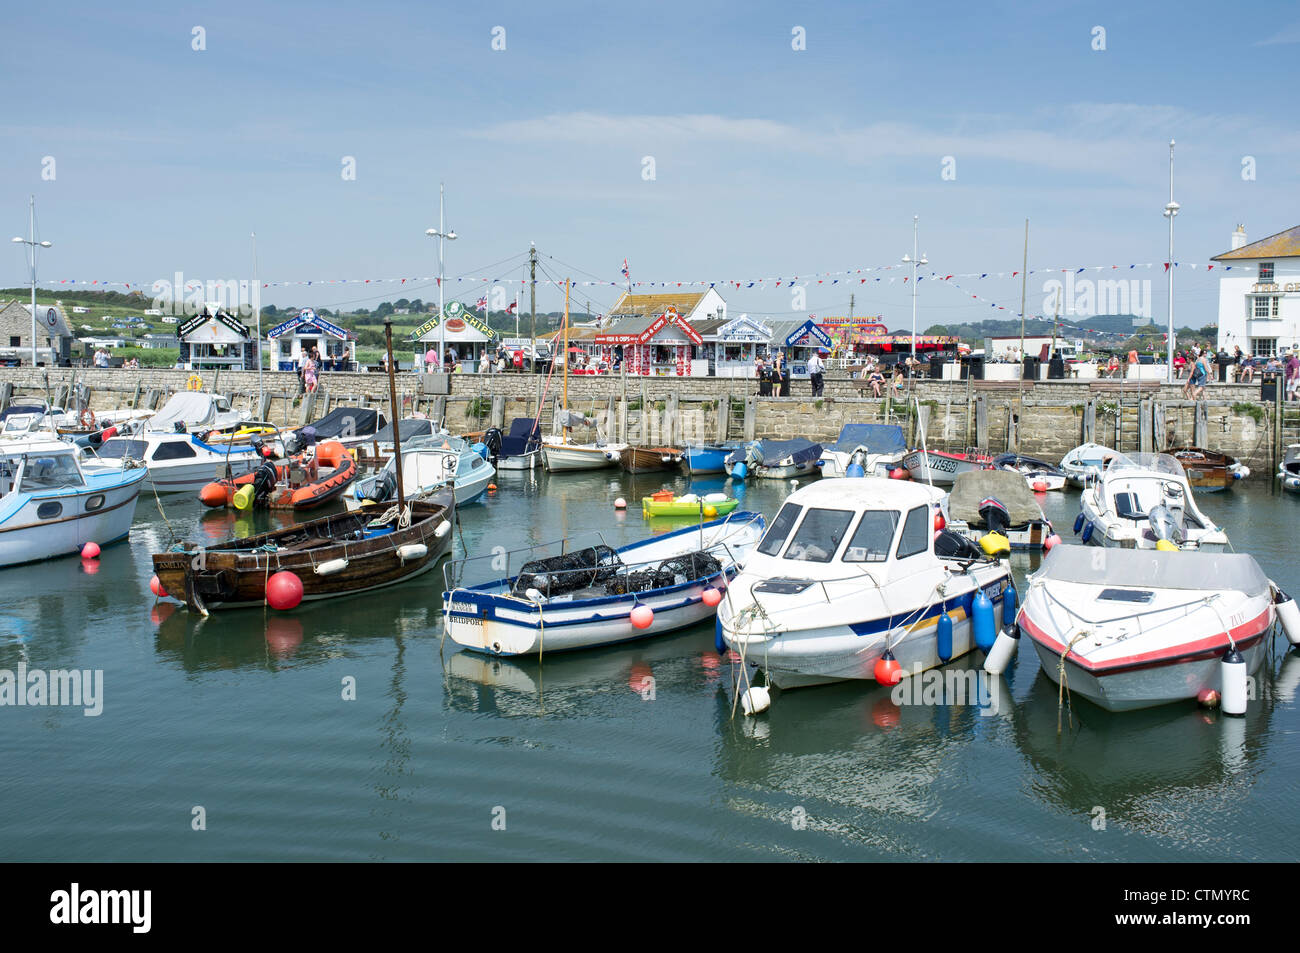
[176, 462]
[874, 448]
[1143, 501]
[1085, 462]
[428, 463]
[192, 412]
[852, 568]
[50, 507]
[1288, 471]
[1133, 630]
[581, 593]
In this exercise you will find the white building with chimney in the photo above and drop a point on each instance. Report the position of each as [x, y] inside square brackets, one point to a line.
[1259, 293]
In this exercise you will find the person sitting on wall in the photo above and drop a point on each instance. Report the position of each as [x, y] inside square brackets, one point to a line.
[1246, 372]
[877, 381]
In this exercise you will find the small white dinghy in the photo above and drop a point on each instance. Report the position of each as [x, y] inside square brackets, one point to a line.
[853, 568]
[1129, 629]
[566, 595]
[1085, 463]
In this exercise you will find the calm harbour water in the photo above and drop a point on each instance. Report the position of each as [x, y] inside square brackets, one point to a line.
[243, 715]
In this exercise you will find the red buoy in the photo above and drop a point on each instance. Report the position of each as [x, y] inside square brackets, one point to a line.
[642, 617]
[156, 588]
[283, 590]
[711, 597]
[888, 671]
[1050, 542]
[898, 473]
[939, 522]
[90, 551]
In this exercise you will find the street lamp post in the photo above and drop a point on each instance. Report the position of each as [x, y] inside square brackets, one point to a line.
[440, 233]
[33, 244]
[1171, 210]
[913, 260]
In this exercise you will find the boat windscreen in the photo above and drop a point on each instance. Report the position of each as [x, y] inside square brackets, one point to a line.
[873, 537]
[115, 448]
[1148, 569]
[819, 535]
[776, 534]
[54, 472]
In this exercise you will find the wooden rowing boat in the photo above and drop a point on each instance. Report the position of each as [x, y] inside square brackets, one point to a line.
[1208, 471]
[650, 459]
[334, 556]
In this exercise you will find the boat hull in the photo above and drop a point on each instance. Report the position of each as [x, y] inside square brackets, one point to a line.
[26, 538]
[560, 457]
[650, 459]
[708, 459]
[521, 461]
[939, 468]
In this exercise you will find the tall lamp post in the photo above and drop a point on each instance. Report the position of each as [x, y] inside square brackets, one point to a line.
[440, 233]
[34, 245]
[913, 260]
[1171, 210]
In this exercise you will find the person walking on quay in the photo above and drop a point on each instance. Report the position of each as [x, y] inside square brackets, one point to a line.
[1292, 375]
[309, 374]
[816, 372]
[783, 374]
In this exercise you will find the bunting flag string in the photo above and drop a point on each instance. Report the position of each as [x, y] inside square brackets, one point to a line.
[827, 279]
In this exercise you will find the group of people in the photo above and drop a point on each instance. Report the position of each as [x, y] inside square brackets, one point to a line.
[309, 371]
[773, 375]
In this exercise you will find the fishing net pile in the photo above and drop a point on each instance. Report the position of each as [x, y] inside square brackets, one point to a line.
[671, 572]
[580, 569]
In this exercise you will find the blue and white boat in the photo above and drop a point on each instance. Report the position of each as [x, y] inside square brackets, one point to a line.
[176, 462]
[709, 457]
[851, 569]
[871, 449]
[50, 507]
[427, 464]
[775, 459]
[577, 594]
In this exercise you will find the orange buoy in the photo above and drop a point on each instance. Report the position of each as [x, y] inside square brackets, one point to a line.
[492, 487]
[887, 670]
[642, 617]
[711, 597]
[214, 494]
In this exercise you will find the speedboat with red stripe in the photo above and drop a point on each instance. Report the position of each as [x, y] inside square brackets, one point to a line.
[1131, 629]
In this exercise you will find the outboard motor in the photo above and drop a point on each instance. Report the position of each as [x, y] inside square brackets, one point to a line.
[265, 478]
[492, 440]
[1165, 525]
[293, 444]
[995, 515]
[953, 545]
[857, 461]
[380, 489]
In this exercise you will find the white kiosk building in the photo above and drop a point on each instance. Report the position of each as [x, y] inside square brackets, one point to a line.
[463, 332]
[213, 338]
[295, 338]
[1259, 293]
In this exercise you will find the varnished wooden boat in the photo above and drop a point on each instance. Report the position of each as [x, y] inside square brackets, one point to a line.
[650, 459]
[333, 556]
[1208, 471]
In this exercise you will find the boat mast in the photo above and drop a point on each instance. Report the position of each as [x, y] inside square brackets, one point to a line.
[564, 431]
[395, 409]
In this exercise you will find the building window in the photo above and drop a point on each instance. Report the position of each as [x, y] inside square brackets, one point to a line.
[1263, 347]
[15, 341]
[1265, 271]
[1266, 306]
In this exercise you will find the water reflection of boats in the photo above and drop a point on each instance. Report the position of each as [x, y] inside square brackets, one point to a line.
[578, 685]
[1174, 771]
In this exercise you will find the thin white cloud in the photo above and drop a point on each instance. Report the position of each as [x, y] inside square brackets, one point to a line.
[1289, 34]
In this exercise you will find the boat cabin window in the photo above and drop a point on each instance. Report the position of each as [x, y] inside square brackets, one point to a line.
[819, 535]
[173, 450]
[917, 531]
[116, 448]
[873, 537]
[776, 534]
[50, 473]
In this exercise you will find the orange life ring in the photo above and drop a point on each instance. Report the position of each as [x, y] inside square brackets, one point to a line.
[87, 418]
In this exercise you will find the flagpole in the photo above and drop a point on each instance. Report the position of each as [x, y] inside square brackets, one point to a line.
[257, 290]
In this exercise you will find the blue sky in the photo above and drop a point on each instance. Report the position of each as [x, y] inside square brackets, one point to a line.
[768, 161]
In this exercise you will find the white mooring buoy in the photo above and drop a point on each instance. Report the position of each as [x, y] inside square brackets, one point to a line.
[1288, 613]
[755, 700]
[1234, 675]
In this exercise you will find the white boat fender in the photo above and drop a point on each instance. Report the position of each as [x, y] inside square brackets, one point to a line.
[1288, 613]
[412, 550]
[1234, 675]
[715, 498]
[442, 529]
[330, 567]
[1003, 649]
[755, 701]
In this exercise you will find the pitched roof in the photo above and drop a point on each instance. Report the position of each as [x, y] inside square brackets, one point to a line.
[1282, 245]
[656, 304]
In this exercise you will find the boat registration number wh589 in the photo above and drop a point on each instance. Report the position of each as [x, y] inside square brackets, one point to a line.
[934, 463]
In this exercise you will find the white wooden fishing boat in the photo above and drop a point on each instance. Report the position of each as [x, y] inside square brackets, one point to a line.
[576, 594]
[1134, 630]
[559, 455]
[1142, 500]
[50, 507]
[1085, 462]
[941, 467]
[428, 463]
[1288, 471]
[851, 568]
